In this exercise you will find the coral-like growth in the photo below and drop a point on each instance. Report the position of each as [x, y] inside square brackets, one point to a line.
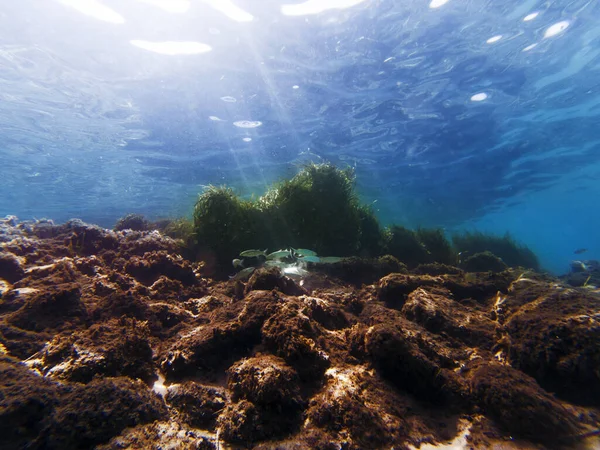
[512, 253]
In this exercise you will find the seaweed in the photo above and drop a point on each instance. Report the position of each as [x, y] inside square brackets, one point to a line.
[437, 245]
[405, 245]
[226, 224]
[505, 247]
[316, 209]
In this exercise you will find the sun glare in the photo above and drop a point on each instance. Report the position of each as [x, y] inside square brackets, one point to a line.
[173, 47]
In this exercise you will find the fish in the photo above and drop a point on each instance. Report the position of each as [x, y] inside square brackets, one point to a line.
[579, 251]
[295, 272]
[243, 274]
[309, 258]
[279, 254]
[304, 252]
[251, 253]
[238, 263]
[331, 259]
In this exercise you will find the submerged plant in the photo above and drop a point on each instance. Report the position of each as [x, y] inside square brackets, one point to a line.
[504, 247]
[316, 209]
[224, 223]
[438, 246]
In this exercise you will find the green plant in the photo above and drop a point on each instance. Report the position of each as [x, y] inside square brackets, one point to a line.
[404, 244]
[316, 209]
[437, 245]
[225, 224]
[505, 247]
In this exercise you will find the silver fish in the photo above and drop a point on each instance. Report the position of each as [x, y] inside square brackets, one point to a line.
[305, 252]
[251, 253]
[331, 259]
[310, 258]
[243, 275]
[279, 254]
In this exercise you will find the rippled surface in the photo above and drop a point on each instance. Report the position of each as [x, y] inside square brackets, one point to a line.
[454, 113]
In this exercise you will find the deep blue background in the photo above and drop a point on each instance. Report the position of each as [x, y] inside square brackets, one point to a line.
[94, 127]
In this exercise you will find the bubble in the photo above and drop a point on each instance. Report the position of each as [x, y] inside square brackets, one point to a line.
[531, 16]
[481, 96]
[247, 123]
[247, 139]
[557, 28]
[295, 86]
[229, 99]
[437, 3]
[215, 118]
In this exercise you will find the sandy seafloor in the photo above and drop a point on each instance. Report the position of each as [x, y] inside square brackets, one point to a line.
[112, 340]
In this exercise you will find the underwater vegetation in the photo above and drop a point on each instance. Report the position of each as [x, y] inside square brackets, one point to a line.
[316, 209]
[319, 209]
[504, 247]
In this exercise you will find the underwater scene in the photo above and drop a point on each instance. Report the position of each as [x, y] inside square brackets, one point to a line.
[299, 224]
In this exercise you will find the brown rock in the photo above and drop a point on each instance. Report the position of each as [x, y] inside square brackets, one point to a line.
[264, 380]
[10, 267]
[439, 314]
[518, 404]
[556, 339]
[289, 333]
[271, 278]
[57, 307]
[197, 405]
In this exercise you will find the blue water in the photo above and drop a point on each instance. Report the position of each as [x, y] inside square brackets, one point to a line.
[463, 114]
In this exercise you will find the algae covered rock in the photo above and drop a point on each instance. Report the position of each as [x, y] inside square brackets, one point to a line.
[483, 262]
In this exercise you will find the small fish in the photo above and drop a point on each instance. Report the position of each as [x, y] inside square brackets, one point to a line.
[251, 253]
[579, 251]
[295, 272]
[309, 258]
[238, 263]
[279, 264]
[304, 252]
[331, 259]
[279, 254]
[243, 275]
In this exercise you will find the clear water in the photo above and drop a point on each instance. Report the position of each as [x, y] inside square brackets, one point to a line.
[463, 114]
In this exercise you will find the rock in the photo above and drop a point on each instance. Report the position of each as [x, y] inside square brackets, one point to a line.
[271, 278]
[10, 267]
[112, 349]
[483, 262]
[393, 289]
[439, 314]
[104, 408]
[58, 307]
[136, 222]
[290, 335]
[406, 366]
[341, 408]
[149, 268]
[555, 338]
[265, 380]
[358, 271]
[517, 403]
[197, 405]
